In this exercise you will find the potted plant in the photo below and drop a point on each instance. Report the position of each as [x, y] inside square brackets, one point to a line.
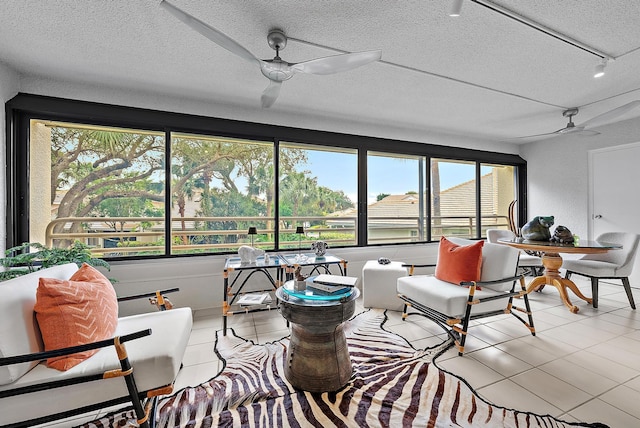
[20, 261]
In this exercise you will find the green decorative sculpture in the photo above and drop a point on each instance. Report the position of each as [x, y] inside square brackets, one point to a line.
[562, 235]
[538, 229]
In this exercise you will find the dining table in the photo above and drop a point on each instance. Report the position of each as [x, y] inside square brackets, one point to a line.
[552, 261]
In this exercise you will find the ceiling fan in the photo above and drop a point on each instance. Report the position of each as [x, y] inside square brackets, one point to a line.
[276, 69]
[591, 123]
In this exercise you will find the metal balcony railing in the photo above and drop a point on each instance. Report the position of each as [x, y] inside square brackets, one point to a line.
[118, 236]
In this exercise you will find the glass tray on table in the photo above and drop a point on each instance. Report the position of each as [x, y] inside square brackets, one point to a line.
[314, 294]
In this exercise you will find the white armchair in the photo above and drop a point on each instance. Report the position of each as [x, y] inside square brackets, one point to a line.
[614, 264]
[527, 262]
[453, 305]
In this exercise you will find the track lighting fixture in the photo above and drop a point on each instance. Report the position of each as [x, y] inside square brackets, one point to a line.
[456, 7]
[599, 70]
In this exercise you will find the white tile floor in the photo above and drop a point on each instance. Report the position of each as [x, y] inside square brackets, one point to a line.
[579, 367]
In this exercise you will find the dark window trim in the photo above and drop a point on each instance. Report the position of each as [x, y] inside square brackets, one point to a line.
[23, 107]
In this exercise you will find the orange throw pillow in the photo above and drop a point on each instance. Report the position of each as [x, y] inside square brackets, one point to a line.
[459, 263]
[80, 310]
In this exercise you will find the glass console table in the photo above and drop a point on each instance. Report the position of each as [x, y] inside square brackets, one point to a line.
[278, 269]
[318, 264]
[232, 292]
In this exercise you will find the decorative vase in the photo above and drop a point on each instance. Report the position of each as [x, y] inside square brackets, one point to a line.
[319, 248]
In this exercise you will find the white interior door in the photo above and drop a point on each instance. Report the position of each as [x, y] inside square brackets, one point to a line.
[615, 198]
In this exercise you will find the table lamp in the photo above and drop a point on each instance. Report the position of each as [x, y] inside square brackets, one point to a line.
[252, 231]
[300, 232]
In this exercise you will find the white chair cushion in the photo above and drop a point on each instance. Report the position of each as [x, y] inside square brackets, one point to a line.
[444, 297]
[592, 267]
[155, 359]
[624, 257]
[19, 330]
[498, 261]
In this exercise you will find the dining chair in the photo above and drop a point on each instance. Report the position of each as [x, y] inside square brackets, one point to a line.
[614, 264]
[528, 263]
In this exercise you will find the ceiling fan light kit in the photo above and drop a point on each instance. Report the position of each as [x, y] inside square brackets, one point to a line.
[276, 70]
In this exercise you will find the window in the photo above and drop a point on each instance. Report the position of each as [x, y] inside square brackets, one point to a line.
[396, 208]
[453, 198]
[140, 183]
[498, 191]
[318, 191]
[97, 184]
[220, 187]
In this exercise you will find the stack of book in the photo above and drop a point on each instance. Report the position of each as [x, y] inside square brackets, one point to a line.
[331, 284]
[254, 299]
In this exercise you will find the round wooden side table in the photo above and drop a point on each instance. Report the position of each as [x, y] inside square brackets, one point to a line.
[317, 357]
[552, 262]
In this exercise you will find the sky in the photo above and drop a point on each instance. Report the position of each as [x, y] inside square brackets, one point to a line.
[399, 176]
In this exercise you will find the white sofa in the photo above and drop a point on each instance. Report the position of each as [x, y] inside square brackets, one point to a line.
[155, 358]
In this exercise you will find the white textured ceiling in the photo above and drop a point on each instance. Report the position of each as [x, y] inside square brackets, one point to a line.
[481, 74]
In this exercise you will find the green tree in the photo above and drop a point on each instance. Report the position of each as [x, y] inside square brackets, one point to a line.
[298, 189]
[259, 170]
[126, 207]
[91, 166]
[223, 203]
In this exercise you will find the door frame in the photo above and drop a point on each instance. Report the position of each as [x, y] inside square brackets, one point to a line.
[590, 173]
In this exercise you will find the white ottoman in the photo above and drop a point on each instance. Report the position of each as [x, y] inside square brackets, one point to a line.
[379, 285]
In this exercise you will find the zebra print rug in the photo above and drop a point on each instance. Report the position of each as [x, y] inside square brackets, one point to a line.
[393, 385]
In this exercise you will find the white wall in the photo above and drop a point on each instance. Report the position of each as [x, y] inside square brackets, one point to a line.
[558, 176]
[9, 85]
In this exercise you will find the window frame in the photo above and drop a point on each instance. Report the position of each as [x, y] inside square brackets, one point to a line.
[24, 107]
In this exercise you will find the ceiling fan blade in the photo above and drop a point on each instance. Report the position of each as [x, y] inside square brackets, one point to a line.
[570, 129]
[588, 133]
[337, 63]
[271, 93]
[209, 32]
[611, 114]
[532, 136]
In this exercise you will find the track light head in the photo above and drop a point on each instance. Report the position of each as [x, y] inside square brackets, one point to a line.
[599, 70]
[456, 7]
